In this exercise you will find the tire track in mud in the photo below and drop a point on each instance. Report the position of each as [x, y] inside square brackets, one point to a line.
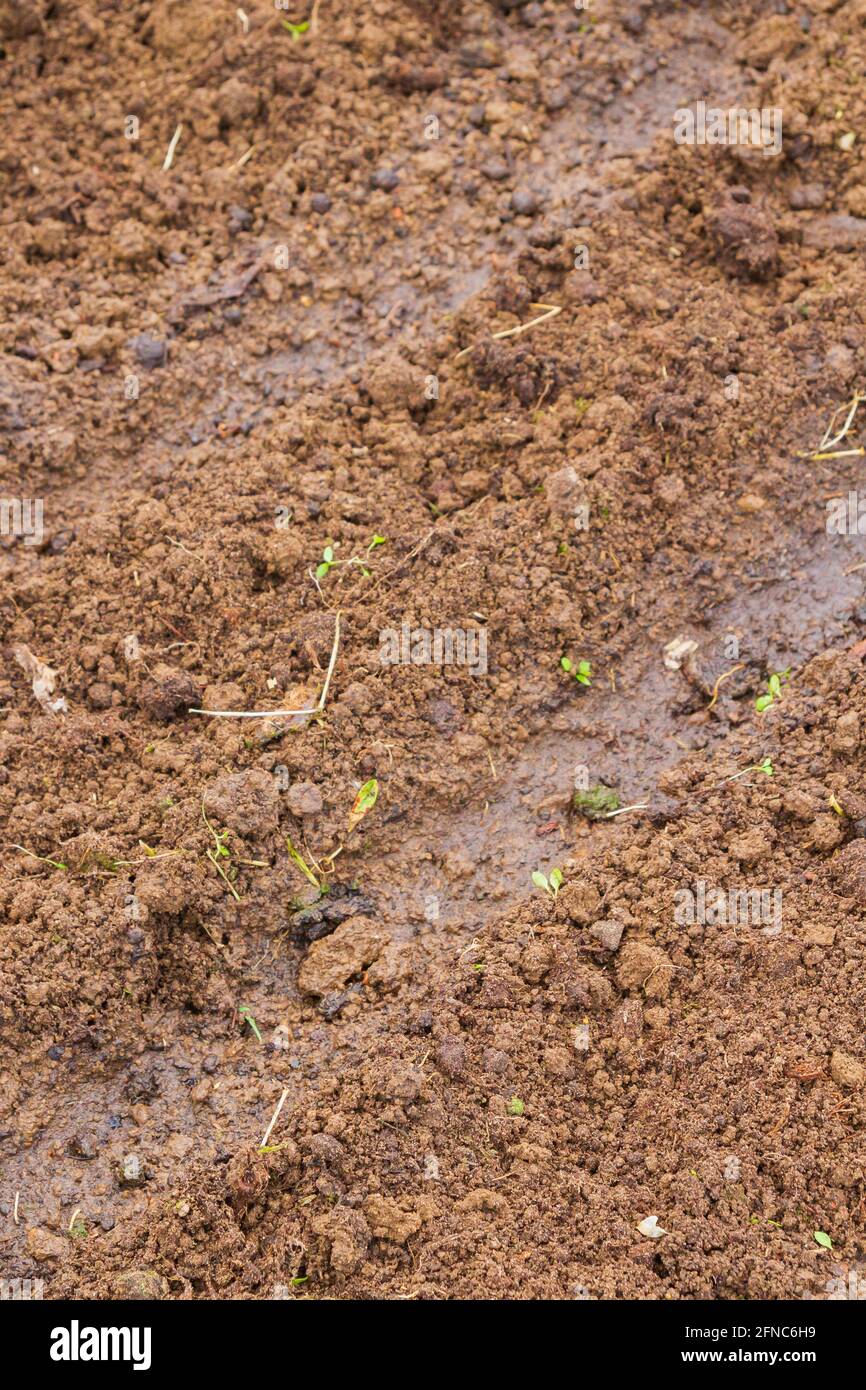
[624, 737]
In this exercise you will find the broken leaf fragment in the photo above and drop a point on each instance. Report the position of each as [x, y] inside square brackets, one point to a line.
[364, 802]
[675, 653]
[650, 1227]
[42, 678]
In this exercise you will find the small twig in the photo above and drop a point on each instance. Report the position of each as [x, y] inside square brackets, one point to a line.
[836, 454]
[15, 1209]
[829, 439]
[274, 1118]
[283, 713]
[239, 163]
[181, 546]
[638, 806]
[739, 667]
[332, 663]
[551, 310]
[169, 154]
[72, 1219]
[222, 873]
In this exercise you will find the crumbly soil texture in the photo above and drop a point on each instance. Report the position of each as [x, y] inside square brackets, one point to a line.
[327, 335]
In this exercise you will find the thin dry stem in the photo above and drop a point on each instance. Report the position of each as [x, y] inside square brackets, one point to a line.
[169, 154]
[283, 713]
[276, 1115]
[551, 310]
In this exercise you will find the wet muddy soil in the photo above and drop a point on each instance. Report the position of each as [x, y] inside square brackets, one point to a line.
[258, 396]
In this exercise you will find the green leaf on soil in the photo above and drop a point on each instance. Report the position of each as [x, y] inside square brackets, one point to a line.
[363, 803]
[596, 802]
[247, 1017]
[302, 865]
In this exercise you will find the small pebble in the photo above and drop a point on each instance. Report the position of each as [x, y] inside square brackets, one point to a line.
[385, 179]
[149, 351]
[525, 201]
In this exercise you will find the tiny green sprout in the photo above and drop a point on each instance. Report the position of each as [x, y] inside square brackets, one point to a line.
[78, 1229]
[246, 1015]
[550, 886]
[55, 863]
[515, 1106]
[327, 562]
[823, 1240]
[303, 866]
[296, 30]
[377, 540]
[582, 672]
[774, 690]
[835, 806]
[766, 767]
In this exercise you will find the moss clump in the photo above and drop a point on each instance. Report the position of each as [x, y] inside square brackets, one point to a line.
[596, 802]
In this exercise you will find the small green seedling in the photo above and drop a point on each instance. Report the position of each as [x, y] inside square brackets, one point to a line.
[550, 886]
[329, 559]
[302, 865]
[247, 1017]
[222, 851]
[515, 1106]
[296, 30]
[55, 863]
[766, 767]
[327, 562]
[582, 672]
[823, 1240]
[774, 690]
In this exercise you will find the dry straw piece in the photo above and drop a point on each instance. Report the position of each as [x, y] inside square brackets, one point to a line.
[283, 713]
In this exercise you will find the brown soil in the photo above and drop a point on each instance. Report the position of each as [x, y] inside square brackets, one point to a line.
[283, 343]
